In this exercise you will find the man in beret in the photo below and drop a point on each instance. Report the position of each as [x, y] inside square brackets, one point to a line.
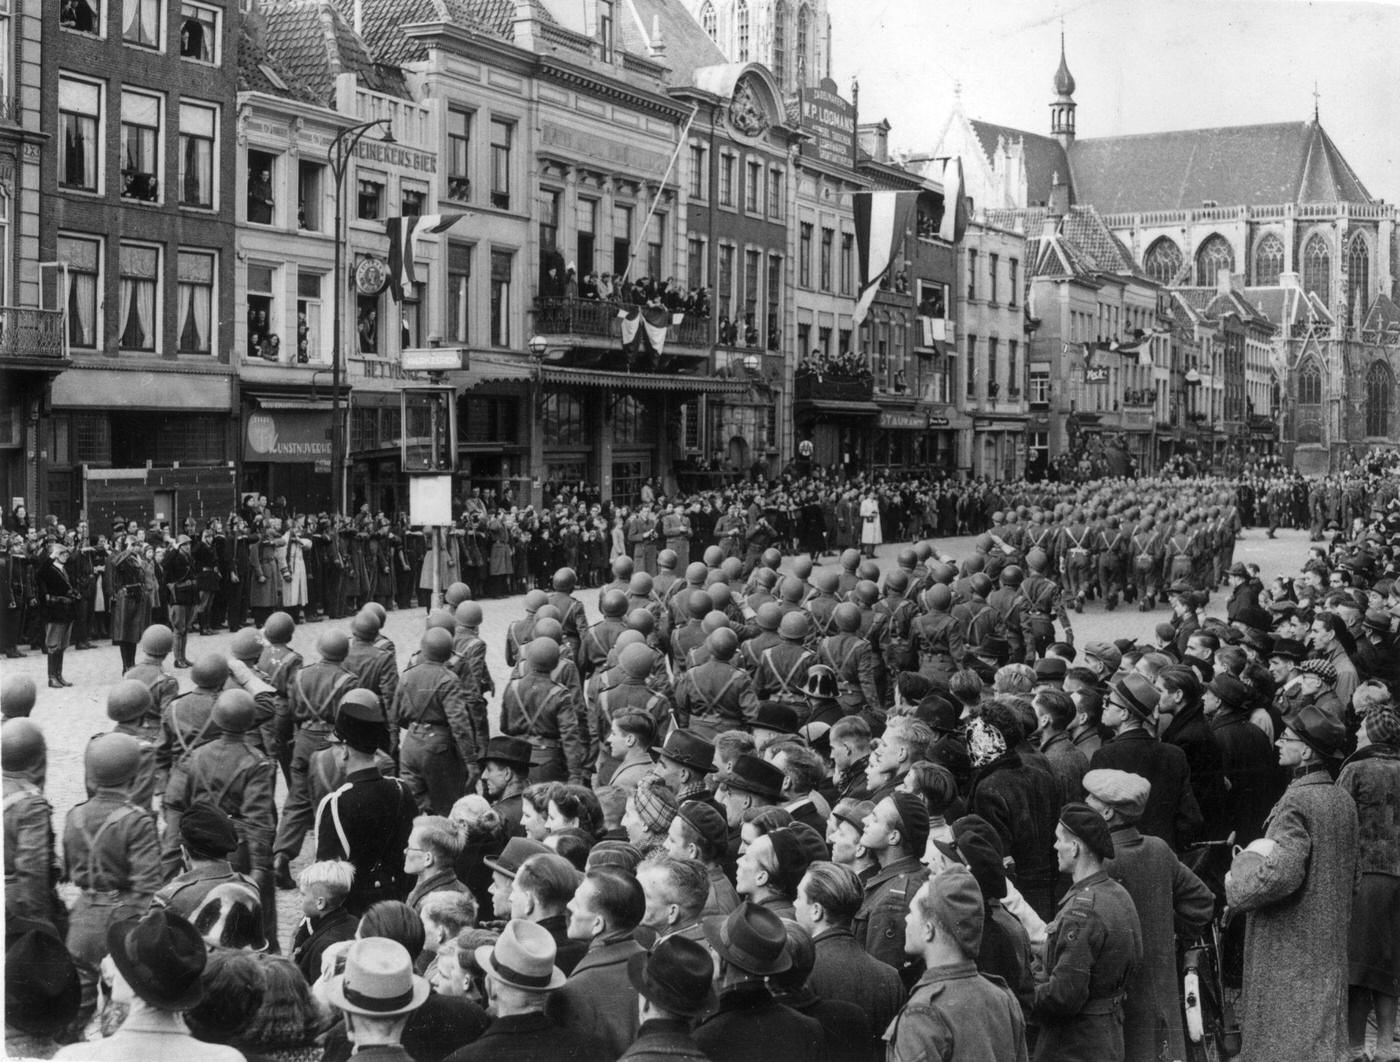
[1091, 950]
[207, 840]
[895, 833]
[1131, 713]
[954, 1012]
[1166, 895]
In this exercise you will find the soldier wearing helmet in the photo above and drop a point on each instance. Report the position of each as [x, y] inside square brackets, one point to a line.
[691, 633]
[188, 719]
[541, 711]
[824, 599]
[761, 633]
[1110, 551]
[313, 699]
[469, 646]
[374, 669]
[896, 612]
[937, 636]
[715, 695]
[432, 714]
[522, 630]
[666, 564]
[129, 706]
[1075, 548]
[1145, 561]
[31, 864]
[782, 669]
[571, 613]
[853, 662]
[155, 645]
[626, 687]
[279, 664]
[600, 637]
[1045, 605]
[112, 855]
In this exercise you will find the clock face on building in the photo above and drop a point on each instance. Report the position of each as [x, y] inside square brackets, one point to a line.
[371, 276]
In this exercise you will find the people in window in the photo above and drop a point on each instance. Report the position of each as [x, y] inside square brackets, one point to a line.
[260, 201]
[78, 15]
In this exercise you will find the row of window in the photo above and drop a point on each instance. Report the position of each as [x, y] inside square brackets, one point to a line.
[141, 293]
[734, 185]
[590, 253]
[993, 290]
[738, 17]
[143, 23]
[988, 381]
[81, 160]
[845, 262]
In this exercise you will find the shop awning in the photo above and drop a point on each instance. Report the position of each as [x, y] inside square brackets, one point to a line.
[303, 402]
[710, 385]
[484, 370]
[831, 405]
[128, 389]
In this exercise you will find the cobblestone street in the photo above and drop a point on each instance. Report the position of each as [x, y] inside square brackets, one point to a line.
[69, 717]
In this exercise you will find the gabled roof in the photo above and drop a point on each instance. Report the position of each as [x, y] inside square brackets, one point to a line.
[314, 42]
[1383, 315]
[261, 71]
[1287, 305]
[1044, 157]
[1080, 245]
[1284, 162]
[687, 46]
[382, 22]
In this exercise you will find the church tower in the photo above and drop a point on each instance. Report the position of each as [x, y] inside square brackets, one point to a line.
[790, 37]
[1062, 109]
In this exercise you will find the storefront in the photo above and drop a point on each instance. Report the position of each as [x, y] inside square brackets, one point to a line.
[999, 447]
[287, 449]
[902, 441]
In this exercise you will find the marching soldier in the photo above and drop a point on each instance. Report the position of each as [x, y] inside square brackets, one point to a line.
[823, 601]
[571, 613]
[600, 637]
[31, 862]
[1014, 609]
[1109, 547]
[898, 612]
[852, 660]
[1177, 552]
[1145, 557]
[437, 737]
[1076, 558]
[539, 710]
[156, 642]
[467, 645]
[936, 635]
[1044, 604]
[279, 663]
[522, 630]
[374, 669]
[782, 669]
[129, 706]
[628, 691]
[188, 721]
[716, 695]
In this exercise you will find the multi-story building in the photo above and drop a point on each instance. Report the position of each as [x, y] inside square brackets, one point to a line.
[138, 193]
[32, 341]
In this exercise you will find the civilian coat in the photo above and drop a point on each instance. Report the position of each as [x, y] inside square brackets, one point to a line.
[879, 924]
[1299, 906]
[845, 971]
[439, 1027]
[1166, 895]
[1022, 803]
[752, 1026]
[1251, 769]
[1172, 812]
[530, 1038]
[598, 1000]
[664, 1040]
[1190, 732]
[847, 1027]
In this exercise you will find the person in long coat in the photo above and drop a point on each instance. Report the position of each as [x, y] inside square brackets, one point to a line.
[1296, 885]
[1167, 895]
[131, 611]
[264, 563]
[294, 588]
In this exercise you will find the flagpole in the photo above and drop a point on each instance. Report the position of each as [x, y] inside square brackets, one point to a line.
[694, 110]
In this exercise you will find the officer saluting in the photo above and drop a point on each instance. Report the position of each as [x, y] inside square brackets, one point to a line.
[1093, 945]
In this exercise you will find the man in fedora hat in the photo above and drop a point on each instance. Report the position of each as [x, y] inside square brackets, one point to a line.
[750, 1025]
[750, 782]
[158, 967]
[683, 763]
[674, 987]
[377, 993]
[1130, 711]
[42, 992]
[520, 977]
[367, 821]
[504, 767]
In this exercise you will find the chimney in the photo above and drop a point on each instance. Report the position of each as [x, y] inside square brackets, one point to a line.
[657, 48]
[524, 24]
[1058, 206]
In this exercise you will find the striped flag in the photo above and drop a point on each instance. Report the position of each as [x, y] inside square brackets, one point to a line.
[954, 222]
[644, 328]
[402, 230]
[882, 219]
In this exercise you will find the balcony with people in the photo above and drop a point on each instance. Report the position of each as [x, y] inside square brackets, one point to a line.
[591, 309]
[844, 377]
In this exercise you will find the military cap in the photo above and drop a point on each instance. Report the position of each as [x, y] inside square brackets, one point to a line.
[1089, 827]
[208, 831]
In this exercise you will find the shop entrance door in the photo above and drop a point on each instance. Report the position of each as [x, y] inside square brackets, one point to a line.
[628, 475]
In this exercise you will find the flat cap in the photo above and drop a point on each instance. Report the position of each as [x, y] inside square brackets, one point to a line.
[1105, 652]
[1123, 791]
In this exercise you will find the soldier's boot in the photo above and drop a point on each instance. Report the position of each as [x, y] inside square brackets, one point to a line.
[180, 660]
[282, 872]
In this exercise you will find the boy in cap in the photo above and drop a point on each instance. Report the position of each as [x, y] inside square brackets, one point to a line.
[1093, 945]
[954, 1012]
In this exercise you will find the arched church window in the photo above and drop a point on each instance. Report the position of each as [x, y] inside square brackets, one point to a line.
[1359, 278]
[1310, 385]
[1214, 257]
[1163, 261]
[1317, 268]
[780, 44]
[708, 20]
[804, 35]
[1268, 261]
[1380, 386]
[741, 30]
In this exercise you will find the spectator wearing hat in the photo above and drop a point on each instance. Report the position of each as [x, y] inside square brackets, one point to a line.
[849, 1037]
[676, 891]
[504, 767]
[159, 962]
[377, 994]
[521, 975]
[684, 762]
[1372, 776]
[42, 992]
[1006, 945]
[368, 820]
[1131, 713]
[208, 838]
[828, 899]
[1283, 657]
[1093, 946]
[1018, 799]
[647, 818]
[1244, 591]
[674, 985]
[111, 853]
[895, 833]
[954, 1011]
[598, 1000]
[699, 832]
[1054, 713]
[1103, 659]
[749, 783]
[1181, 722]
[750, 1025]
[1376, 649]
[31, 864]
[1296, 885]
[1167, 895]
[1316, 684]
[1247, 757]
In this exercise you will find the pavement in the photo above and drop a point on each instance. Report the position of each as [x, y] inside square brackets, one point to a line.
[71, 716]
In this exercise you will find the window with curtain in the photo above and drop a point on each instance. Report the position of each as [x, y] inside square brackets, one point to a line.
[1317, 268]
[309, 310]
[725, 287]
[139, 274]
[1358, 278]
[780, 44]
[197, 132]
[369, 202]
[501, 134]
[1380, 386]
[586, 222]
[140, 146]
[459, 277]
[84, 257]
[195, 293]
[741, 29]
[261, 313]
[501, 262]
[141, 22]
[824, 270]
[79, 112]
[1163, 260]
[752, 262]
[199, 33]
[1268, 260]
[1214, 256]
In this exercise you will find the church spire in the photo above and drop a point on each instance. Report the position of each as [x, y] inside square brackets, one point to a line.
[1062, 108]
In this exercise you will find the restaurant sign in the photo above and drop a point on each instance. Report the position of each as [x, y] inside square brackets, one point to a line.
[832, 123]
[898, 420]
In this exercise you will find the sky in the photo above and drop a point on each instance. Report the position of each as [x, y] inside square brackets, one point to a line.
[1140, 66]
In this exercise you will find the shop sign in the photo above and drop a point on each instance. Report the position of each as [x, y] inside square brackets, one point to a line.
[832, 123]
[1096, 374]
[287, 436]
[897, 420]
[396, 155]
[937, 422]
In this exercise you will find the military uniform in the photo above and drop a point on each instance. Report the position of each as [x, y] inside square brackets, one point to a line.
[1091, 949]
[149, 780]
[1043, 607]
[938, 642]
[1077, 558]
[955, 1012]
[373, 668]
[896, 641]
[597, 643]
[279, 664]
[31, 863]
[1109, 547]
[854, 662]
[185, 892]
[541, 711]
[241, 782]
[879, 924]
[313, 699]
[437, 735]
[572, 618]
[164, 686]
[467, 644]
[714, 697]
[782, 673]
[187, 724]
[1015, 612]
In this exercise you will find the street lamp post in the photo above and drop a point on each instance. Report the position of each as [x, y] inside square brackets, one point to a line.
[342, 147]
